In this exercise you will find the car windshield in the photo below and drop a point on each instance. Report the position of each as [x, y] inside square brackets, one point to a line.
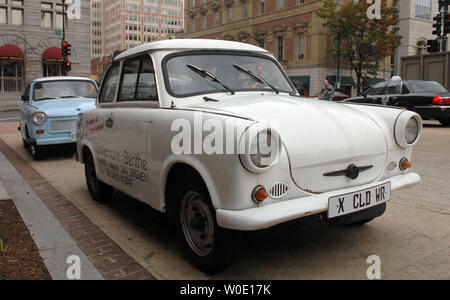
[64, 89]
[427, 86]
[191, 74]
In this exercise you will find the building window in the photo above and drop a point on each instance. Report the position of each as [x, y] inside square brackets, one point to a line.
[423, 9]
[51, 69]
[3, 15]
[204, 21]
[280, 48]
[16, 16]
[230, 14]
[11, 76]
[244, 11]
[216, 17]
[262, 7]
[300, 46]
[46, 15]
[280, 4]
[261, 42]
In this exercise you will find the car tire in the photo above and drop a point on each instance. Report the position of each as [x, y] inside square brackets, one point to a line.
[445, 122]
[25, 144]
[208, 247]
[100, 191]
[37, 152]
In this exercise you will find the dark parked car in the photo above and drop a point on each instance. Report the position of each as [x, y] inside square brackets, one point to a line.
[428, 98]
[338, 96]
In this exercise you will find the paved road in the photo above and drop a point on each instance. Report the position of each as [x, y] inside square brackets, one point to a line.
[412, 239]
[8, 115]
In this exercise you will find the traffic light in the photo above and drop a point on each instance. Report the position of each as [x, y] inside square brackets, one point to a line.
[437, 25]
[432, 46]
[446, 23]
[66, 49]
[67, 65]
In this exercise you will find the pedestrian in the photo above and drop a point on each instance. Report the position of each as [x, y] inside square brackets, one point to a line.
[326, 91]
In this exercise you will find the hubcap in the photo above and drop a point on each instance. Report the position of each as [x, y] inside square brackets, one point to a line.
[197, 223]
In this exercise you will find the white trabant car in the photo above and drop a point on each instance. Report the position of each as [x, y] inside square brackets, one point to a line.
[214, 134]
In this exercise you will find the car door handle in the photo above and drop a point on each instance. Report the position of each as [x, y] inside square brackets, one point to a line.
[109, 123]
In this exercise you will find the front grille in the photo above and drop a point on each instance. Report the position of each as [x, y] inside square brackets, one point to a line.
[63, 125]
[278, 190]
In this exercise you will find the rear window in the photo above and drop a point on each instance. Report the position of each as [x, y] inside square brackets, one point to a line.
[426, 86]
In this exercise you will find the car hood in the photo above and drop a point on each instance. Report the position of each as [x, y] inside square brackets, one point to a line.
[319, 136]
[64, 107]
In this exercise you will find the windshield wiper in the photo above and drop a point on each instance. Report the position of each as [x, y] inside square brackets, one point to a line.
[256, 77]
[71, 96]
[47, 98]
[206, 74]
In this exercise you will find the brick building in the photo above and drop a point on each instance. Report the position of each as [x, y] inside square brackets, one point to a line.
[30, 44]
[290, 29]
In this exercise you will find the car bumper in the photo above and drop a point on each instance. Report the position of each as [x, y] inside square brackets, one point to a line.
[57, 139]
[433, 111]
[267, 216]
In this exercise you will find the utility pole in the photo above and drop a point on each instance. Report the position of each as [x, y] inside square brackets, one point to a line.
[338, 74]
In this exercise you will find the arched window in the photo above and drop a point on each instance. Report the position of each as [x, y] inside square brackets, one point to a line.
[11, 69]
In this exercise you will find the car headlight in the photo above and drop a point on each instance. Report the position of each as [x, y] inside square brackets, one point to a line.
[408, 129]
[262, 150]
[39, 117]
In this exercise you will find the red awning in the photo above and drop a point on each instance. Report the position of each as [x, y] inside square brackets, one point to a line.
[9, 50]
[52, 53]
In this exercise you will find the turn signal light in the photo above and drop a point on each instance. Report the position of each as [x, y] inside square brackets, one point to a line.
[40, 131]
[259, 194]
[405, 164]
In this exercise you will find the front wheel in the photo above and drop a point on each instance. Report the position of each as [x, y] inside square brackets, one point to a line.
[100, 191]
[37, 152]
[209, 247]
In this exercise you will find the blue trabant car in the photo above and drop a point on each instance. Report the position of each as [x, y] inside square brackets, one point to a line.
[50, 109]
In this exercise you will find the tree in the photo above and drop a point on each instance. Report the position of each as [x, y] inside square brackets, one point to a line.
[366, 42]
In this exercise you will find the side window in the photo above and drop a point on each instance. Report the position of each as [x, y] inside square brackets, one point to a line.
[129, 79]
[393, 88]
[109, 87]
[138, 80]
[377, 89]
[146, 88]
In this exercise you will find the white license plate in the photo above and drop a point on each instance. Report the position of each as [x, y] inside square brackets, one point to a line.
[356, 201]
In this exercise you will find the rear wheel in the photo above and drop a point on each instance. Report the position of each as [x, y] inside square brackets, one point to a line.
[100, 191]
[208, 246]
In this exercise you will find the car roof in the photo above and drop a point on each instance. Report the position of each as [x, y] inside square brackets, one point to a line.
[59, 78]
[191, 44]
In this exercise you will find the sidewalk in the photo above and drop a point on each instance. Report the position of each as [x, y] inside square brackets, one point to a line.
[53, 242]
[58, 228]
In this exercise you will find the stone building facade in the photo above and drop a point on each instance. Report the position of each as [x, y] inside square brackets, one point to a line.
[415, 26]
[290, 29]
[30, 43]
